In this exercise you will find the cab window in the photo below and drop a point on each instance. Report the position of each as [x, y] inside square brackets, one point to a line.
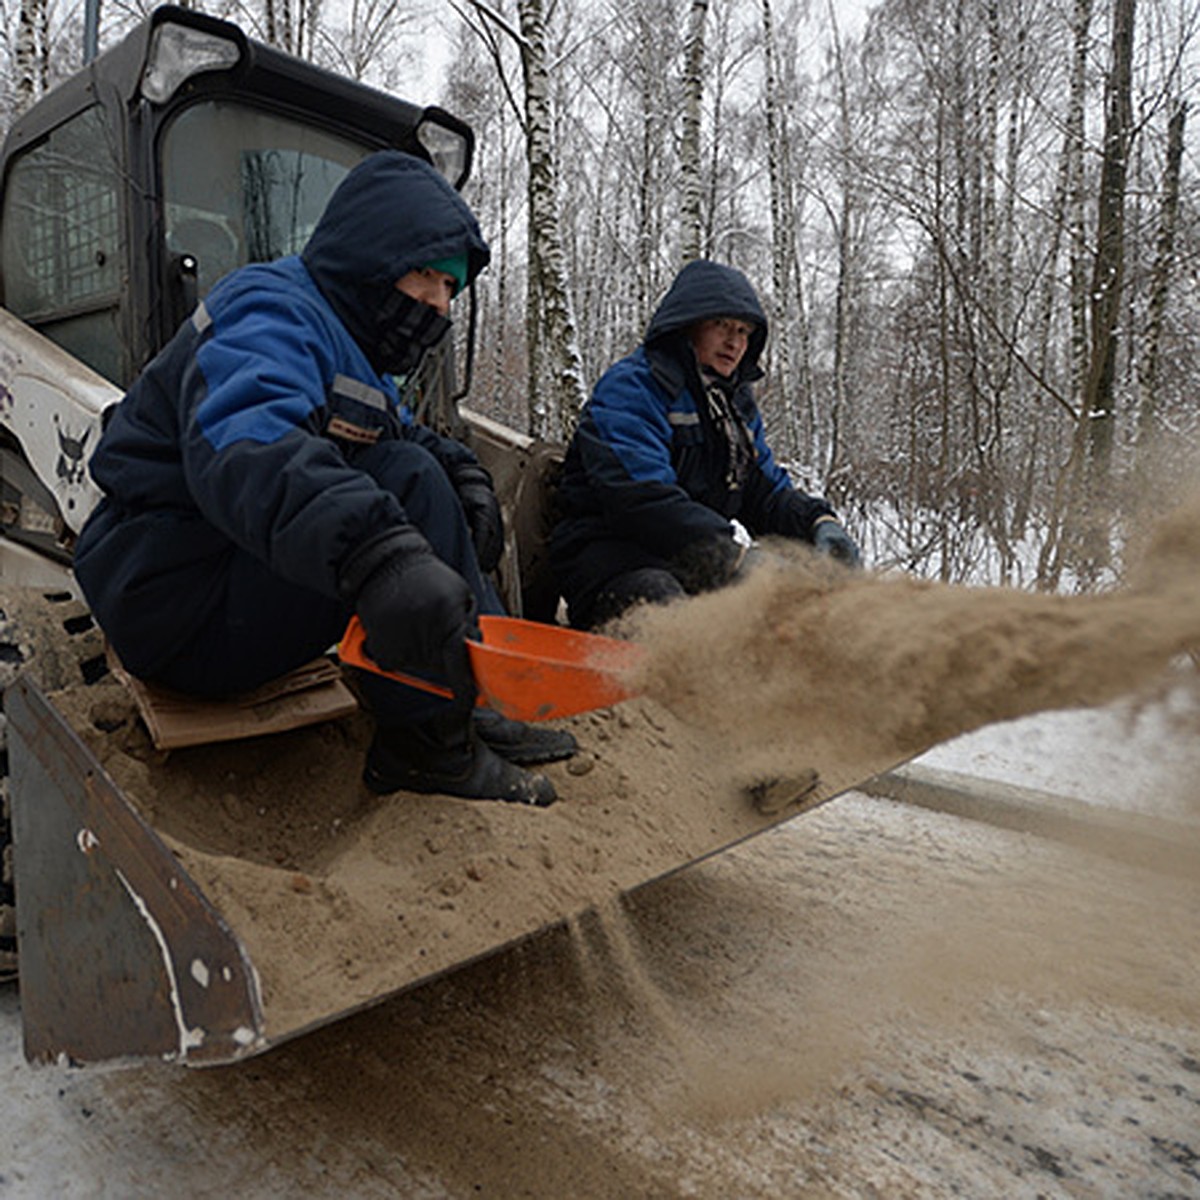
[244, 185]
[61, 240]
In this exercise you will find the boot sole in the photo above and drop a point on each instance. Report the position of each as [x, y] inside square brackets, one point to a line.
[384, 786]
[529, 757]
[525, 754]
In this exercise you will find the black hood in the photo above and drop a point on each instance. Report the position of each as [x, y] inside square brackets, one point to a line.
[391, 214]
[705, 289]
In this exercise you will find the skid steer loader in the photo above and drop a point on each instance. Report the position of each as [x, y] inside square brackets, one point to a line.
[143, 930]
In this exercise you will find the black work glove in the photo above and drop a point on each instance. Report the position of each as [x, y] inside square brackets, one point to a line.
[482, 509]
[830, 538]
[707, 563]
[418, 614]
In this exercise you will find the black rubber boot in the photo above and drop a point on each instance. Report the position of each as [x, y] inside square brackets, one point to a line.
[520, 742]
[446, 757]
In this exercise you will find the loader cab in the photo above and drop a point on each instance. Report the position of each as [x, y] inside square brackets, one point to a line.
[180, 154]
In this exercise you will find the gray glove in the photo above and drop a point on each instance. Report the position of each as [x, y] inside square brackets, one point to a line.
[830, 538]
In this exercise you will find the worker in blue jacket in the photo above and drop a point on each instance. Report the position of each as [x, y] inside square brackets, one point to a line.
[669, 467]
[262, 482]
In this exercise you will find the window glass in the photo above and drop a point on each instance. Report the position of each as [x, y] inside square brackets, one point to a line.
[242, 185]
[94, 338]
[61, 224]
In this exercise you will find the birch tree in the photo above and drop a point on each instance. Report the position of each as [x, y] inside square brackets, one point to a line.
[286, 25]
[689, 142]
[1084, 539]
[783, 238]
[479, 92]
[1109, 268]
[1160, 284]
[556, 388]
[842, 219]
[1067, 215]
[32, 55]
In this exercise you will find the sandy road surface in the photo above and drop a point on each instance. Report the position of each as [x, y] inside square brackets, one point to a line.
[869, 1001]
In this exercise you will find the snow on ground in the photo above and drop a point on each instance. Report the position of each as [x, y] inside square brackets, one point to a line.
[1137, 757]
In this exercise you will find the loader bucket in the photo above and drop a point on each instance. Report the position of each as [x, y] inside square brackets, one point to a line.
[144, 936]
[122, 956]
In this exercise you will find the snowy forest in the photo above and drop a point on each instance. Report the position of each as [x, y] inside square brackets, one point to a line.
[975, 227]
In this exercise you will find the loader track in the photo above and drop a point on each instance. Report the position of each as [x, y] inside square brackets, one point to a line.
[54, 636]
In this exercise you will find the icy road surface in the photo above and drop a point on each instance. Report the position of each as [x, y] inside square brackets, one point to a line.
[871, 1001]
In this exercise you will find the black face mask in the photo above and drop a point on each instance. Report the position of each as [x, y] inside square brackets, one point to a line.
[406, 329]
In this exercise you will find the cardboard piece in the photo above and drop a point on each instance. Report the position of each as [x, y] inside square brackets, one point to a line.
[306, 696]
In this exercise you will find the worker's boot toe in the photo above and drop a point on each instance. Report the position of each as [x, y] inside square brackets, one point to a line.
[520, 742]
[471, 771]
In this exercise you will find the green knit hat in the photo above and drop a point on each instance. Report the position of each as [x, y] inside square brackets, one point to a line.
[455, 265]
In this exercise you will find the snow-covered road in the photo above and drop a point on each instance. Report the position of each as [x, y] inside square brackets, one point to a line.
[872, 1000]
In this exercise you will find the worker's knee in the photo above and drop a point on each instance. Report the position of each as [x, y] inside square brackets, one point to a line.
[430, 502]
[410, 473]
[645, 585]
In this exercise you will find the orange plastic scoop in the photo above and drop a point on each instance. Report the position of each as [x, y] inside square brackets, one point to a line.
[527, 670]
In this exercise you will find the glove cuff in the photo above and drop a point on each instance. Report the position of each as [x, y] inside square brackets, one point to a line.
[360, 564]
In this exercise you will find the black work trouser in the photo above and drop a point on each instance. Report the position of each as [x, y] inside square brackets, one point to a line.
[601, 576]
[264, 626]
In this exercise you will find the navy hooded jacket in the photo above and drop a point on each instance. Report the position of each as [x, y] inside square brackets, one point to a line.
[241, 433]
[646, 465]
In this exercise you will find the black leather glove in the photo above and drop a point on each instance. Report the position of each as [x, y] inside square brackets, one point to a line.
[482, 508]
[418, 614]
[830, 538]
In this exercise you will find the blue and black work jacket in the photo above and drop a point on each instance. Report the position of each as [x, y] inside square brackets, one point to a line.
[242, 433]
[655, 461]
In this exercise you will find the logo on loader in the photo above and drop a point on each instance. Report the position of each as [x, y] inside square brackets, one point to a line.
[71, 465]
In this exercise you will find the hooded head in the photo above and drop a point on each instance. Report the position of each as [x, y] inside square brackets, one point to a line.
[392, 214]
[701, 291]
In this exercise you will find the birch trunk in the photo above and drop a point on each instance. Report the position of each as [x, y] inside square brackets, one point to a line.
[29, 55]
[783, 240]
[1094, 437]
[1052, 557]
[689, 145]
[648, 167]
[1066, 210]
[1075, 142]
[556, 389]
[1160, 284]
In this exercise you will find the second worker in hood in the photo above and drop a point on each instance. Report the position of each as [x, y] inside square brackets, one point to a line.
[670, 458]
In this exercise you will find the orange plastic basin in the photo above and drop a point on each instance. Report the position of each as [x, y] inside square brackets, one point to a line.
[528, 670]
